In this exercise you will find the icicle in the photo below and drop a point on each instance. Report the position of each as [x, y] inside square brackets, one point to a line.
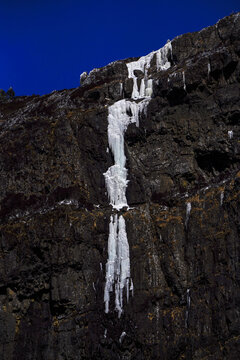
[142, 89]
[188, 307]
[184, 83]
[221, 197]
[188, 298]
[161, 55]
[209, 68]
[123, 254]
[149, 88]
[121, 89]
[122, 336]
[188, 210]
[131, 287]
[112, 239]
[230, 134]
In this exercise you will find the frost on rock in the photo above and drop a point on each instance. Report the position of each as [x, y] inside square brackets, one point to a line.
[118, 264]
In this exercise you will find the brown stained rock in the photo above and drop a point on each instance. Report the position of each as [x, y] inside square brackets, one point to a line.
[55, 214]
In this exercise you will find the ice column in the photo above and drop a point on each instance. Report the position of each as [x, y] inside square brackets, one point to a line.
[120, 115]
[118, 264]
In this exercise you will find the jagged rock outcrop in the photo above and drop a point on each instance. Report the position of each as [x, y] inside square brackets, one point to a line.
[183, 227]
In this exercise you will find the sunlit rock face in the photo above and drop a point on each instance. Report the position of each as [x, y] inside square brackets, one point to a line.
[120, 209]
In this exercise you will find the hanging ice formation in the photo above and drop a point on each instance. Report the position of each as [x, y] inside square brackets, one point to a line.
[120, 115]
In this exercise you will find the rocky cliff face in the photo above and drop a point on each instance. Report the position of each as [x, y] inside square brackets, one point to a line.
[183, 225]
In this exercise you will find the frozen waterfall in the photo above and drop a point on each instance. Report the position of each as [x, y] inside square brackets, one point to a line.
[120, 115]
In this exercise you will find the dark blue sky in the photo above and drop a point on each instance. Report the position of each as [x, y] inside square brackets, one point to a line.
[46, 44]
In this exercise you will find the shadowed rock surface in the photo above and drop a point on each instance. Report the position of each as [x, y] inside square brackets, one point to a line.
[55, 213]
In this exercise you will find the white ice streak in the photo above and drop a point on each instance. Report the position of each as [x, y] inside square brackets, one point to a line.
[123, 334]
[118, 264]
[230, 134]
[188, 210]
[184, 82]
[188, 307]
[221, 197]
[209, 68]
